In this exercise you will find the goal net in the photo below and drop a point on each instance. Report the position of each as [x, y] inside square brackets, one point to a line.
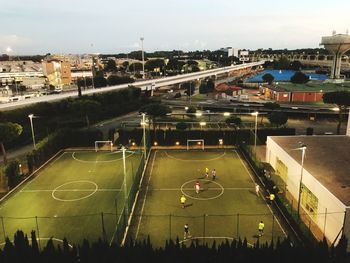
[195, 144]
[103, 146]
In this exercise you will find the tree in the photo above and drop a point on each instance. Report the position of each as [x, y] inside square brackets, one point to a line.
[203, 88]
[8, 132]
[86, 107]
[278, 118]
[191, 111]
[342, 100]
[181, 126]
[116, 80]
[271, 105]
[210, 85]
[156, 110]
[195, 68]
[153, 64]
[100, 82]
[137, 66]
[12, 172]
[189, 87]
[295, 65]
[236, 121]
[268, 78]
[175, 65]
[299, 78]
[111, 65]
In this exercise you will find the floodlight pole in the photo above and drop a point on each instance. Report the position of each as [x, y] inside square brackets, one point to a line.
[125, 188]
[256, 128]
[144, 134]
[143, 58]
[31, 116]
[303, 149]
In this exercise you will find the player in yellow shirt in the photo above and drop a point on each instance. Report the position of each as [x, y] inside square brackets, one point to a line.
[261, 227]
[206, 172]
[183, 201]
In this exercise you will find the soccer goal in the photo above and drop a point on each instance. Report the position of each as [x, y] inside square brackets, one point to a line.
[195, 144]
[103, 146]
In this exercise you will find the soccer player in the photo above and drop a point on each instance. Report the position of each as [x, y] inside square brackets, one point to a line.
[197, 187]
[183, 201]
[257, 189]
[206, 172]
[186, 231]
[261, 227]
[213, 174]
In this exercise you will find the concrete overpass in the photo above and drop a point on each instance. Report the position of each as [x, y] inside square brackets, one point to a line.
[145, 84]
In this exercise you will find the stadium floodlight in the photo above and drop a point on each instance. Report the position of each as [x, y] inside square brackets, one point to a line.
[221, 141]
[155, 143]
[198, 114]
[143, 58]
[177, 143]
[186, 108]
[31, 116]
[335, 109]
[226, 114]
[255, 113]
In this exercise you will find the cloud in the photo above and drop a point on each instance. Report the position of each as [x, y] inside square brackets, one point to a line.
[13, 41]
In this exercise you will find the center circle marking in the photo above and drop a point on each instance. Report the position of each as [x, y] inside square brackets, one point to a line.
[53, 194]
[201, 198]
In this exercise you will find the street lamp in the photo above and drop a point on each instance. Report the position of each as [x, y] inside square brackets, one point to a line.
[143, 58]
[303, 149]
[256, 113]
[125, 186]
[31, 116]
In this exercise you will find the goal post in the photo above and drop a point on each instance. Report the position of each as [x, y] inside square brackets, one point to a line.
[195, 144]
[103, 146]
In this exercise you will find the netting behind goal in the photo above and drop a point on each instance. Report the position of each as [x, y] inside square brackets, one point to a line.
[197, 144]
[103, 146]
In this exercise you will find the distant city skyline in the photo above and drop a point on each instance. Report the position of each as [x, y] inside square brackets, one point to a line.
[106, 26]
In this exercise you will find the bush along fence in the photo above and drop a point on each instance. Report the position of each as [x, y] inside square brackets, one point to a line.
[211, 137]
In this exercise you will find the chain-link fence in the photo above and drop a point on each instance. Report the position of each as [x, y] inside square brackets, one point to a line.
[208, 227]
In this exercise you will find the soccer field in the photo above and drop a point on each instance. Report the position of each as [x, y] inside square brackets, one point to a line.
[77, 195]
[224, 209]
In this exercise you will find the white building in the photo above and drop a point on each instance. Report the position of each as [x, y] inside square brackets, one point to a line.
[325, 185]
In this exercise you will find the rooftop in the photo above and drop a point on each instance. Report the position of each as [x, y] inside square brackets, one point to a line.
[327, 159]
[313, 86]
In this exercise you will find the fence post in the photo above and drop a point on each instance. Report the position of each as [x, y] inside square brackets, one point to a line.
[237, 225]
[273, 224]
[204, 216]
[38, 233]
[325, 221]
[104, 235]
[169, 227]
[3, 228]
[116, 210]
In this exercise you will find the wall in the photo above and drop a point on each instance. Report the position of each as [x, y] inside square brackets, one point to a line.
[307, 96]
[330, 214]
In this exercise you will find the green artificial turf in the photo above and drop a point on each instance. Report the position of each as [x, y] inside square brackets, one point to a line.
[227, 208]
[77, 195]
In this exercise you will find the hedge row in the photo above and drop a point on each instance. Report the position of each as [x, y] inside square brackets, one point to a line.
[170, 137]
[62, 139]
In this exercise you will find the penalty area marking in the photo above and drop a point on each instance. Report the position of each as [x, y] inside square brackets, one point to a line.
[74, 199]
[43, 239]
[195, 160]
[195, 238]
[106, 161]
[201, 198]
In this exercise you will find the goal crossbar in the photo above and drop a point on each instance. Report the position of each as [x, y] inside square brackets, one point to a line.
[108, 144]
[198, 143]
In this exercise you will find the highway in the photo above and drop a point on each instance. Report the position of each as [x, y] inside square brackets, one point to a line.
[144, 84]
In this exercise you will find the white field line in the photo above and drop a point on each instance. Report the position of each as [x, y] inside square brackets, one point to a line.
[278, 222]
[71, 190]
[193, 189]
[31, 175]
[144, 200]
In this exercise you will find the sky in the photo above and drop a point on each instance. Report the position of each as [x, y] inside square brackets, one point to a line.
[31, 27]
